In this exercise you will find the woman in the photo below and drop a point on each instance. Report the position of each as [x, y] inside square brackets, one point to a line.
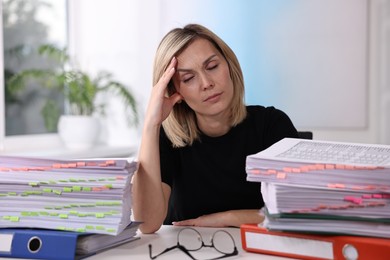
[192, 169]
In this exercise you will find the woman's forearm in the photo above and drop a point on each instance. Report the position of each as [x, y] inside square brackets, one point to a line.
[231, 218]
[246, 216]
[149, 202]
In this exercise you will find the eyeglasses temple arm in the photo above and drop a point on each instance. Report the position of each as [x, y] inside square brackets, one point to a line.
[184, 250]
[163, 252]
[235, 252]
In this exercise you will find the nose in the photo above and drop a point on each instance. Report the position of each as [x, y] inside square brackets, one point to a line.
[206, 81]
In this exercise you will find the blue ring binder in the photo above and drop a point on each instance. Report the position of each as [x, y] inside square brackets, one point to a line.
[34, 244]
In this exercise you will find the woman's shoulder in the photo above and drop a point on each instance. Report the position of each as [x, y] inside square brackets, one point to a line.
[262, 110]
[262, 114]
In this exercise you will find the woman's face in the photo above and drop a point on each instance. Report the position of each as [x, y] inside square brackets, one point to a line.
[202, 78]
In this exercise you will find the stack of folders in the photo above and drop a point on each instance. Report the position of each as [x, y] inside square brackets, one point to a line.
[85, 202]
[322, 187]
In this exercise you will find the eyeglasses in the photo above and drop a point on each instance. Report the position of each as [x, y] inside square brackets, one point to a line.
[189, 239]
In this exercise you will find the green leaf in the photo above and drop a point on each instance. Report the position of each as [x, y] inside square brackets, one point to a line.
[51, 115]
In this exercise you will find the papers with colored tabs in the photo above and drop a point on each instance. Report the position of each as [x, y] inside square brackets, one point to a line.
[91, 196]
[323, 186]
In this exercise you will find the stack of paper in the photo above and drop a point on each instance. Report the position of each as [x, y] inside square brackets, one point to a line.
[321, 186]
[95, 243]
[92, 196]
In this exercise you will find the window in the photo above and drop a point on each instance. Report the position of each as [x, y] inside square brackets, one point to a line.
[23, 140]
[27, 24]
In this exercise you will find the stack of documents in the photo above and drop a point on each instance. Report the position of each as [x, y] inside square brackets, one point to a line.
[86, 196]
[320, 186]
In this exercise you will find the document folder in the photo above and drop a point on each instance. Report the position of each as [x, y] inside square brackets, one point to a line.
[311, 246]
[48, 244]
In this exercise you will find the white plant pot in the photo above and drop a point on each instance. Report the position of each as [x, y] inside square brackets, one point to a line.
[78, 132]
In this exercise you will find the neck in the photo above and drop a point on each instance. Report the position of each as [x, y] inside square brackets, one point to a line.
[213, 126]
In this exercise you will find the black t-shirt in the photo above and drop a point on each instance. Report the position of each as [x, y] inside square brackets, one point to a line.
[210, 175]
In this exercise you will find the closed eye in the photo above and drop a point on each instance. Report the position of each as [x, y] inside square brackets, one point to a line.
[212, 67]
[188, 79]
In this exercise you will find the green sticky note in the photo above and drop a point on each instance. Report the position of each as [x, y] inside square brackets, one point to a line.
[47, 190]
[67, 189]
[63, 216]
[89, 227]
[76, 188]
[100, 228]
[14, 219]
[80, 230]
[87, 188]
[87, 205]
[25, 213]
[111, 230]
[73, 212]
[58, 192]
[33, 184]
[99, 215]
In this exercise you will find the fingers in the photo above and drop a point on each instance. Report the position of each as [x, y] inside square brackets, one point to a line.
[169, 72]
[188, 222]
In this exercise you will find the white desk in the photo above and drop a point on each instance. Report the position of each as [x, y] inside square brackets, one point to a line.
[167, 237]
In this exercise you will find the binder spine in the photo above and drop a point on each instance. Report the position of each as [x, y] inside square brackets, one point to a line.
[310, 246]
[38, 244]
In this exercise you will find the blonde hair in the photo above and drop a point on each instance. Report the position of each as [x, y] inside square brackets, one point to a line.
[181, 125]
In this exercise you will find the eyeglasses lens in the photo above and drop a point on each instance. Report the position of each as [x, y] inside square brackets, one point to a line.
[190, 239]
[223, 242]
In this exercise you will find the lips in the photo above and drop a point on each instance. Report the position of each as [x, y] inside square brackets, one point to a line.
[213, 97]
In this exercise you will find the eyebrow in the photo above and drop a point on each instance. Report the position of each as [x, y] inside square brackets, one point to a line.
[204, 63]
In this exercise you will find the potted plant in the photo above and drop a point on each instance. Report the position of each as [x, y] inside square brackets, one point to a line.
[80, 91]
